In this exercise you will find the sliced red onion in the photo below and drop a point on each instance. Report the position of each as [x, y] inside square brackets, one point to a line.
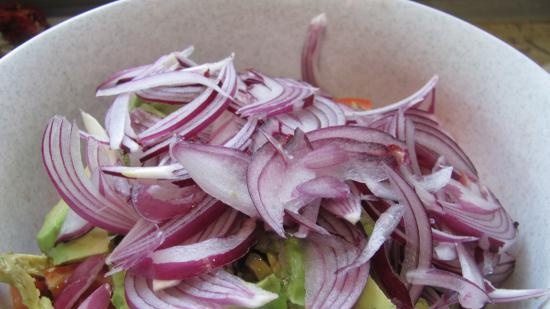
[438, 142]
[142, 119]
[99, 299]
[322, 114]
[389, 281]
[310, 51]
[307, 222]
[310, 214]
[145, 237]
[219, 171]
[170, 95]
[324, 187]
[404, 104]
[473, 198]
[141, 241]
[223, 225]
[73, 227]
[79, 281]
[326, 288]
[180, 262]
[140, 295]
[94, 128]
[61, 157]
[383, 228]
[441, 236]
[445, 252]
[418, 250]
[178, 78]
[116, 120]
[437, 180]
[157, 203]
[470, 269]
[511, 295]
[497, 228]
[469, 294]
[122, 76]
[347, 208]
[196, 115]
[276, 96]
[225, 289]
[166, 172]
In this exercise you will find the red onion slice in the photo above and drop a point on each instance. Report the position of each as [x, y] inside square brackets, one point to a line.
[383, 228]
[180, 262]
[324, 187]
[326, 288]
[179, 78]
[163, 172]
[219, 171]
[510, 295]
[145, 237]
[442, 236]
[99, 299]
[122, 76]
[140, 295]
[201, 111]
[469, 294]
[221, 227]
[225, 289]
[116, 120]
[61, 157]
[157, 203]
[347, 208]
[79, 281]
[310, 51]
[170, 95]
[418, 250]
[73, 227]
[404, 104]
[276, 96]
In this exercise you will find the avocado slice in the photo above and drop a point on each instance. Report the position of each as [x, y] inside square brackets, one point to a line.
[16, 270]
[52, 225]
[292, 259]
[273, 284]
[96, 241]
[119, 297]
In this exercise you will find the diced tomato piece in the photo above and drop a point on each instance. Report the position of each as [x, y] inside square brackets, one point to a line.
[56, 277]
[357, 103]
[16, 300]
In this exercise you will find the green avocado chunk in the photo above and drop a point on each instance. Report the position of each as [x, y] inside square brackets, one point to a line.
[292, 257]
[16, 270]
[273, 284]
[52, 225]
[96, 241]
[119, 297]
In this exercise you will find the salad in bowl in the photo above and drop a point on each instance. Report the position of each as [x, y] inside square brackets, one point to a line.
[211, 187]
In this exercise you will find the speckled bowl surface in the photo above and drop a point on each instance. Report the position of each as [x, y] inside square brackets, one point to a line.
[492, 98]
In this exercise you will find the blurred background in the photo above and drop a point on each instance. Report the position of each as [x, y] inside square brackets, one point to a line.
[525, 24]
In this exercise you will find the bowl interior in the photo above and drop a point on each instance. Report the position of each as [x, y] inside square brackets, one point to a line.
[492, 98]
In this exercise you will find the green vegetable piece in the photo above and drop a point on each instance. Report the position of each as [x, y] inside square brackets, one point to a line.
[119, 299]
[422, 304]
[367, 223]
[273, 284]
[157, 109]
[292, 257]
[372, 297]
[95, 242]
[16, 269]
[52, 225]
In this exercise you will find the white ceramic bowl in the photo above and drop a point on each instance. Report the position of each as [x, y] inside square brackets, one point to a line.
[494, 99]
